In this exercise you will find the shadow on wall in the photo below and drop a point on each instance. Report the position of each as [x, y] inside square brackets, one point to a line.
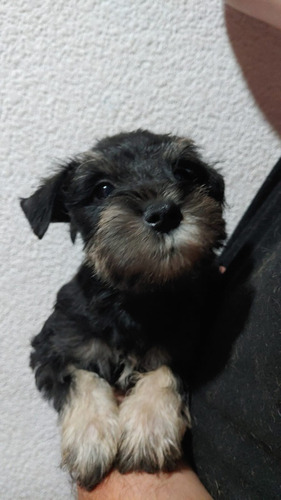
[257, 47]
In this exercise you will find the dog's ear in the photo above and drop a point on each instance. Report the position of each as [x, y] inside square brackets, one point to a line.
[46, 204]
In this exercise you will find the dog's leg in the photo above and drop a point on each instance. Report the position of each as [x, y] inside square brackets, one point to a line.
[153, 419]
[89, 429]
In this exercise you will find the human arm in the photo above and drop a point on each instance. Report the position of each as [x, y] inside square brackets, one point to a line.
[268, 11]
[182, 484]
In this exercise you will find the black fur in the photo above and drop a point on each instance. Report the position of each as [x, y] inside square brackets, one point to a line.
[129, 324]
[130, 314]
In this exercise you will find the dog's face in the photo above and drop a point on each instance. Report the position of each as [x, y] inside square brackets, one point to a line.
[148, 208]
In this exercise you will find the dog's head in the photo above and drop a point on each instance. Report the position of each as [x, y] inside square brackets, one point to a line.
[148, 208]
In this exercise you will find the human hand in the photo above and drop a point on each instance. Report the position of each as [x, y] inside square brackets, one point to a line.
[182, 484]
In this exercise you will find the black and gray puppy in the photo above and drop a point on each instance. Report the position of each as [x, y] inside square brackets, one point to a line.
[150, 214]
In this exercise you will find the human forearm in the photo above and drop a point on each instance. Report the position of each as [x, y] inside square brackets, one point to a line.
[268, 11]
[182, 484]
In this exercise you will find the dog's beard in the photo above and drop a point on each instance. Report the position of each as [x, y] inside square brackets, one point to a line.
[126, 253]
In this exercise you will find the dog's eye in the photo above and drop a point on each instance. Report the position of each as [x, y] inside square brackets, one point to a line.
[184, 171]
[103, 190]
[184, 174]
[187, 172]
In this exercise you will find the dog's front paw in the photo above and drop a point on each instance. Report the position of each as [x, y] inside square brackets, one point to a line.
[153, 420]
[90, 430]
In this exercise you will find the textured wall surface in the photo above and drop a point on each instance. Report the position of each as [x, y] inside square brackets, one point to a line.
[71, 72]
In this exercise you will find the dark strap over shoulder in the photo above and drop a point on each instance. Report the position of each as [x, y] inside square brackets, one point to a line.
[264, 206]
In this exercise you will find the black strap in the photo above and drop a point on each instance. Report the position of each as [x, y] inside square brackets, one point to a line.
[255, 218]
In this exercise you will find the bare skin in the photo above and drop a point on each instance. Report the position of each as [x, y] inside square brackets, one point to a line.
[182, 484]
[268, 11]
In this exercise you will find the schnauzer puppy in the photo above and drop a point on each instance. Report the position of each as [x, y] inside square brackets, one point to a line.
[149, 211]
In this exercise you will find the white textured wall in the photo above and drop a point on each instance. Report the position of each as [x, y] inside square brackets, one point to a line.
[71, 72]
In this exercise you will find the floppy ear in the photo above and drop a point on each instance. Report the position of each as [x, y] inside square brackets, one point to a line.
[46, 205]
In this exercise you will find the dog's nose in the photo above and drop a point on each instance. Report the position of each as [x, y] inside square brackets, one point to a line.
[163, 216]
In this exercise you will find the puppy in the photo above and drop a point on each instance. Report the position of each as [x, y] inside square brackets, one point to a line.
[149, 211]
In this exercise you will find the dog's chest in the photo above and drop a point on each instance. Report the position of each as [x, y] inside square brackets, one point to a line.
[117, 334]
[135, 325]
[117, 365]
[137, 336]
